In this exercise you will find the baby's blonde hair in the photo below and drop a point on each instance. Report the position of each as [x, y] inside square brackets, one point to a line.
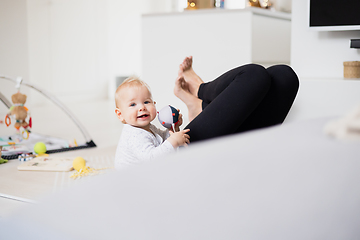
[132, 81]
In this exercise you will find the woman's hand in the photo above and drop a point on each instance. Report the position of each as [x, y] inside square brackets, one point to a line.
[179, 122]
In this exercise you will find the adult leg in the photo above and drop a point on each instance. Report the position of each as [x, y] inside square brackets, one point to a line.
[275, 106]
[228, 101]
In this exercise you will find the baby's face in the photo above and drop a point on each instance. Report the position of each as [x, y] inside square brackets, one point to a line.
[136, 107]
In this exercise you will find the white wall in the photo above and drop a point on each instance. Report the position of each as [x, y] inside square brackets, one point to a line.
[13, 44]
[124, 35]
[72, 48]
[58, 45]
[67, 43]
[319, 54]
[39, 44]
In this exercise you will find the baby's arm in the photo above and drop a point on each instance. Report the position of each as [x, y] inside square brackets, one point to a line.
[145, 149]
[179, 138]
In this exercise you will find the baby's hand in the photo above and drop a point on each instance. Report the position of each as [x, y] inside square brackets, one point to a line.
[180, 138]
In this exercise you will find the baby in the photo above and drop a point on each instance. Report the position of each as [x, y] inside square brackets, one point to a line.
[140, 140]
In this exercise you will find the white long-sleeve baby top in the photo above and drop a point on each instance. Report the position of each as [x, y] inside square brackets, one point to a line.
[137, 145]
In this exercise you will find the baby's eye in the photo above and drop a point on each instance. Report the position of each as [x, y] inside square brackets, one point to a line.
[132, 104]
[147, 102]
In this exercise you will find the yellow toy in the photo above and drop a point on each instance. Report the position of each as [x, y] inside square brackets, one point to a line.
[40, 148]
[79, 164]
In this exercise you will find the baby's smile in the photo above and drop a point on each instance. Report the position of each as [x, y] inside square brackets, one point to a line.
[143, 116]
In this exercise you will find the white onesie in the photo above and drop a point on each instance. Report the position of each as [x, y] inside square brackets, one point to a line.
[137, 145]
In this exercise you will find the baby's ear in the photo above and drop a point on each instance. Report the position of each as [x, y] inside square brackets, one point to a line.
[118, 114]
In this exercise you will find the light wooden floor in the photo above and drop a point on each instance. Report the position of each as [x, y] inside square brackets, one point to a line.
[18, 188]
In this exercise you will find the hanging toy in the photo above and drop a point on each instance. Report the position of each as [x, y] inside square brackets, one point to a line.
[20, 113]
[168, 117]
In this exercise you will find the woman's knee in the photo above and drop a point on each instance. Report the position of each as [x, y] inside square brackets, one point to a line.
[253, 67]
[284, 75]
[283, 71]
[256, 74]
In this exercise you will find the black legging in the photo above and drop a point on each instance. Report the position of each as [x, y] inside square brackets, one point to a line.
[245, 98]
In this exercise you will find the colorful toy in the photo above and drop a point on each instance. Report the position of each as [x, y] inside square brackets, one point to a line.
[26, 157]
[168, 116]
[40, 148]
[1, 159]
[20, 113]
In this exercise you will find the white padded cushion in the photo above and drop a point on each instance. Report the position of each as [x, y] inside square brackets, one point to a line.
[284, 182]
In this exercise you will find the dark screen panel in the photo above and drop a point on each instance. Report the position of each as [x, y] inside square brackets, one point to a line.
[334, 13]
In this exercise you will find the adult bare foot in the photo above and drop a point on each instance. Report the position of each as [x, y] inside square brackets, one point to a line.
[193, 81]
[193, 103]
